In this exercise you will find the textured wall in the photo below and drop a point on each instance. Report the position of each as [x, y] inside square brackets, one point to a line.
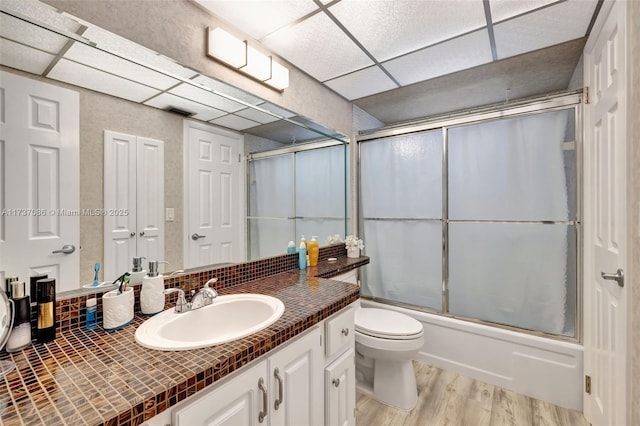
[177, 28]
[633, 211]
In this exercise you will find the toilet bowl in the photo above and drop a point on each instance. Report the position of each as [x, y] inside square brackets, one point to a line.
[386, 342]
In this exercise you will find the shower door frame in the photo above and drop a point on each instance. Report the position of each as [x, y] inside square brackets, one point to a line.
[563, 101]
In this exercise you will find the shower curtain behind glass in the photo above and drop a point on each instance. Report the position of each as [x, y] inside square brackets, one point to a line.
[508, 228]
[295, 194]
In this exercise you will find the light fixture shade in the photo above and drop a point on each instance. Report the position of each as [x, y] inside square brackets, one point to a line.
[226, 48]
[279, 76]
[258, 64]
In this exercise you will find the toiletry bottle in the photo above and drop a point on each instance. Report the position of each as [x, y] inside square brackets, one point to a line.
[92, 314]
[303, 240]
[291, 248]
[46, 299]
[20, 336]
[302, 255]
[313, 249]
[137, 273]
[152, 292]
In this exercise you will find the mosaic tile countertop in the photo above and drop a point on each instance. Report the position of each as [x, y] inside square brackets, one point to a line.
[95, 377]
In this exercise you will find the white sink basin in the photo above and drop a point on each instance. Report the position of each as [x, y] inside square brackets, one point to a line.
[227, 318]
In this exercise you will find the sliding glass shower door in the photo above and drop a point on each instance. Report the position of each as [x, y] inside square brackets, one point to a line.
[492, 236]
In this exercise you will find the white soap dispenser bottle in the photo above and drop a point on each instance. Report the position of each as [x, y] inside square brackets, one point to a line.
[152, 292]
[137, 273]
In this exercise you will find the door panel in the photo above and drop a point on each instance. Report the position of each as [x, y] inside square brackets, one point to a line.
[150, 199]
[213, 196]
[605, 220]
[39, 151]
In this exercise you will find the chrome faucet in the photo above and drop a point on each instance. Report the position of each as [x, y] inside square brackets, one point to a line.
[202, 298]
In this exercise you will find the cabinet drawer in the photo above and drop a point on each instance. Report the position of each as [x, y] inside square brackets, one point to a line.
[339, 332]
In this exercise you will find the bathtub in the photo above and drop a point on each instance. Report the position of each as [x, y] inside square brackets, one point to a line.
[546, 369]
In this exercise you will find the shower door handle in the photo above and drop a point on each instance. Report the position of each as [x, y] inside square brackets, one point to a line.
[618, 277]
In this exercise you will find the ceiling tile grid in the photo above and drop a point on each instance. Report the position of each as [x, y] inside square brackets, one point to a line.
[545, 27]
[319, 47]
[362, 83]
[390, 28]
[460, 53]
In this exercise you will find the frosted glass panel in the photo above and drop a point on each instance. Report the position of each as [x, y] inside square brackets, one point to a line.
[269, 237]
[320, 179]
[513, 169]
[406, 261]
[271, 187]
[401, 177]
[515, 274]
[321, 228]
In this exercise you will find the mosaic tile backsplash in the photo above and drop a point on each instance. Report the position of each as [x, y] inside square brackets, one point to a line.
[97, 377]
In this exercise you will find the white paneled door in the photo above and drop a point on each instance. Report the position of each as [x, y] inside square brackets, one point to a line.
[214, 196]
[39, 188]
[605, 219]
[133, 201]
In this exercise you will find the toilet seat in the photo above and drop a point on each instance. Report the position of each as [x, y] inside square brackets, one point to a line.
[386, 324]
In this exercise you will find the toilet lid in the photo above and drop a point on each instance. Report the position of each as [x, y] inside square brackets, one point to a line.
[384, 323]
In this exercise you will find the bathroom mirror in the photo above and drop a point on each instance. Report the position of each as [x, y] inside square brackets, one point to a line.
[127, 88]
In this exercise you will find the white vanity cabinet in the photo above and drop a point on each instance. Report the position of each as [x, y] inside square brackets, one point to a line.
[309, 381]
[285, 389]
[340, 369]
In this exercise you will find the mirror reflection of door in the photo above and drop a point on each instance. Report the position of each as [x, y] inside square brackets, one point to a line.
[213, 196]
[39, 162]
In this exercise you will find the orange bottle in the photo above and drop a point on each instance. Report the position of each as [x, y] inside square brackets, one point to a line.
[313, 249]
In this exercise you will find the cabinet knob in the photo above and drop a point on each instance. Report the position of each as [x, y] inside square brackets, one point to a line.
[345, 331]
[142, 234]
[133, 234]
[336, 382]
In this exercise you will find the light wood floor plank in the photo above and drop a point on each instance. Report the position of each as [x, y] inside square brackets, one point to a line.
[449, 399]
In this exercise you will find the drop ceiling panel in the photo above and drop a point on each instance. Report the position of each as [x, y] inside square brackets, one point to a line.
[228, 90]
[391, 28]
[234, 122]
[502, 9]
[106, 62]
[546, 27]
[90, 78]
[258, 17]
[24, 58]
[362, 83]
[43, 13]
[276, 109]
[451, 56]
[206, 97]
[20, 31]
[202, 112]
[123, 47]
[318, 47]
[256, 115]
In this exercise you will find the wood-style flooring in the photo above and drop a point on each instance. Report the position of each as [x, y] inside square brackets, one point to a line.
[446, 398]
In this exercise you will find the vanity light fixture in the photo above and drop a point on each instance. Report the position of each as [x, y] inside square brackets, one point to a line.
[237, 54]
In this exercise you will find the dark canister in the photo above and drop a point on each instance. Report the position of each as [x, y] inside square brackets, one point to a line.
[46, 301]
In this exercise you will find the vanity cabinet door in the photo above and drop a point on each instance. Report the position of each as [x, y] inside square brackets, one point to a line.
[239, 401]
[296, 385]
[340, 390]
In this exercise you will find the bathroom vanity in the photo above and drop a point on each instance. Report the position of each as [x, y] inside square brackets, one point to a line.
[97, 377]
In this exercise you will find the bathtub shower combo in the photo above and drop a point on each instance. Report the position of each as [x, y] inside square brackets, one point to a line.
[472, 224]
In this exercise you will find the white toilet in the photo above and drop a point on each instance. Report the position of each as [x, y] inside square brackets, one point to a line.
[386, 342]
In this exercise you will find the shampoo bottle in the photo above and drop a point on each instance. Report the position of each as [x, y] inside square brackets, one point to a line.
[152, 292]
[46, 300]
[313, 249]
[302, 255]
[137, 273]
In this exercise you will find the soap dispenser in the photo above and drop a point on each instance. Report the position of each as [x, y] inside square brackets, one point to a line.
[137, 273]
[152, 292]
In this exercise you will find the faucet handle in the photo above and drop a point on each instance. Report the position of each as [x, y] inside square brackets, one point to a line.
[210, 291]
[181, 303]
